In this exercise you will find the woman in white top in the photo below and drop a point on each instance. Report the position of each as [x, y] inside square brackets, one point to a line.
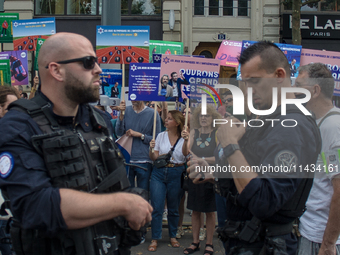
[165, 182]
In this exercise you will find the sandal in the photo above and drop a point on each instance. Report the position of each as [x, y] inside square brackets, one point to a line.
[207, 251]
[153, 245]
[174, 243]
[190, 250]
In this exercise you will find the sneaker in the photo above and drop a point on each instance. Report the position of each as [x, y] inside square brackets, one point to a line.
[202, 234]
[180, 232]
[165, 215]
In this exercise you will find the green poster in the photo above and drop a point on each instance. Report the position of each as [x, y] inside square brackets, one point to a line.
[165, 47]
[6, 35]
[40, 42]
[5, 72]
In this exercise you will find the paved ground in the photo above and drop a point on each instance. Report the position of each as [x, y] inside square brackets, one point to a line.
[164, 246]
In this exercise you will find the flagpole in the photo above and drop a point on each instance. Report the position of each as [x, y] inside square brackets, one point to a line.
[122, 96]
[186, 113]
[154, 124]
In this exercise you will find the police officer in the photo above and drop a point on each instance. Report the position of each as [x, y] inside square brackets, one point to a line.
[261, 206]
[55, 150]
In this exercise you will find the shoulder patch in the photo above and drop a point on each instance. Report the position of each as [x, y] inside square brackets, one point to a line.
[286, 158]
[6, 164]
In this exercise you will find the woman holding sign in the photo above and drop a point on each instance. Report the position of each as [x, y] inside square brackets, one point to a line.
[165, 180]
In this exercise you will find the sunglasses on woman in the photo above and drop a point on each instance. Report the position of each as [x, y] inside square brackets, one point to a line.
[88, 62]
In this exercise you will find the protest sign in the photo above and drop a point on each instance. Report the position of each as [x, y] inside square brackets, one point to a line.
[197, 72]
[26, 32]
[6, 19]
[111, 82]
[5, 73]
[228, 53]
[292, 53]
[165, 47]
[144, 82]
[329, 58]
[18, 66]
[122, 44]
[40, 42]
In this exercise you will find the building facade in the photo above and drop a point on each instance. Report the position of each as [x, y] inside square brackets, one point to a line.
[202, 24]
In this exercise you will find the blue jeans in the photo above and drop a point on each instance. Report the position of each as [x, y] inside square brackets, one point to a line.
[165, 183]
[143, 176]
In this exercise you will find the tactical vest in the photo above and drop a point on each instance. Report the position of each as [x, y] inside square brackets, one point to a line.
[74, 159]
[295, 206]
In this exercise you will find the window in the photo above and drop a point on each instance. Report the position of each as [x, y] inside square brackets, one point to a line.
[227, 7]
[322, 5]
[222, 7]
[199, 7]
[81, 7]
[67, 7]
[49, 7]
[213, 7]
[93, 7]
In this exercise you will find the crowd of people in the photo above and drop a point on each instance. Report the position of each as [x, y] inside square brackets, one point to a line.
[68, 188]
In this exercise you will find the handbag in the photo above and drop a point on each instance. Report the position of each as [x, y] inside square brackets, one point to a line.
[164, 159]
[185, 180]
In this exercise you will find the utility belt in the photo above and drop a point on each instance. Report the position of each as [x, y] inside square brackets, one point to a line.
[78, 241]
[174, 165]
[253, 230]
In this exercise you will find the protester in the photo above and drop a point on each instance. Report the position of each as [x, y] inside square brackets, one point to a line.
[34, 87]
[24, 95]
[7, 96]
[262, 206]
[320, 224]
[201, 197]
[20, 89]
[165, 181]
[56, 179]
[227, 100]
[137, 122]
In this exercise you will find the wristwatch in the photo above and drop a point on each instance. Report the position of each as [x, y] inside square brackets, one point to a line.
[142, 137]
[230, 149]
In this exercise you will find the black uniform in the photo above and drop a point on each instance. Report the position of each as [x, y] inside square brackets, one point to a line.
[269, 204]
[44, 152]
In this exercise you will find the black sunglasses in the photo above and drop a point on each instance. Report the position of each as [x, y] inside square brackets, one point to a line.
[88, 62]
[229, 100]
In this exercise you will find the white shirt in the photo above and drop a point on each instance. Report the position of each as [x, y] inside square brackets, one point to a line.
[163, 146]
[313, 221]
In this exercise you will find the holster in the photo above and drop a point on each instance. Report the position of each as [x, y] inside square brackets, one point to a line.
[256, 231]
[247, 231]
[130, 237]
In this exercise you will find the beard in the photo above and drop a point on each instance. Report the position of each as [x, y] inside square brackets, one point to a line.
[78, 92]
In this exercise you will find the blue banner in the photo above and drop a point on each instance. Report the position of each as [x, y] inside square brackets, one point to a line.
[292, 53]
[144, 82]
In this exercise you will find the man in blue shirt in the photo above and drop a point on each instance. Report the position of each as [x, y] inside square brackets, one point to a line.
[137, 122]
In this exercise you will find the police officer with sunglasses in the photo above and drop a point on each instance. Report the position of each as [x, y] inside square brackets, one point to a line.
[59, 168]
